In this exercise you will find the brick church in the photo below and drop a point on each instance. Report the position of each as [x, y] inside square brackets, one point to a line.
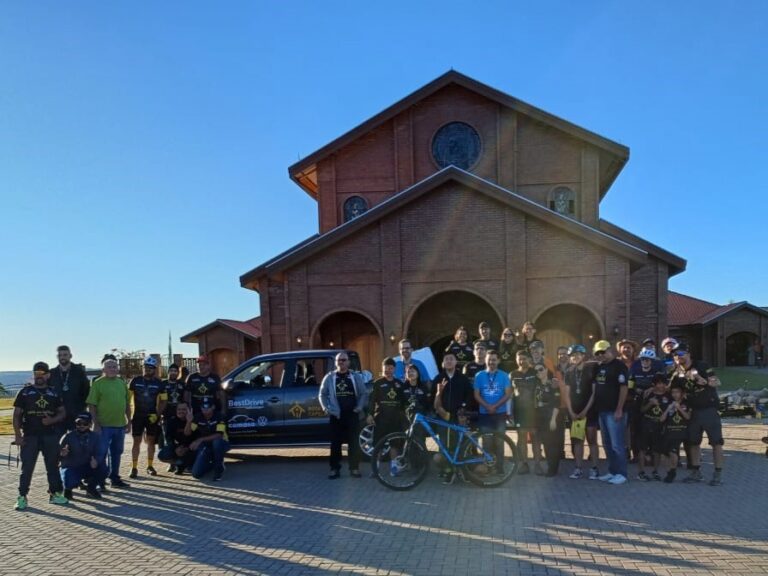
[458, 204]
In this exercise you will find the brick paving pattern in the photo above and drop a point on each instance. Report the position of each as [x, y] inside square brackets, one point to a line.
[278, 514]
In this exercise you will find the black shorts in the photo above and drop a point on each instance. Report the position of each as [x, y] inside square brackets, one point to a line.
[705, 420]
[651, 439]
[384, 426]
[672, 445]
[140, 423]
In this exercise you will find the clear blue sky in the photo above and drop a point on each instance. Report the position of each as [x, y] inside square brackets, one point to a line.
[143, 144]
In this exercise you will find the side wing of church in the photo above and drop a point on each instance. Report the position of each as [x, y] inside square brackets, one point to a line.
[456, 205]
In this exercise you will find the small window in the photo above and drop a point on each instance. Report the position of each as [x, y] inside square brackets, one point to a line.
[354, 206]
[563, 201]
[261, 375]
[309, 371]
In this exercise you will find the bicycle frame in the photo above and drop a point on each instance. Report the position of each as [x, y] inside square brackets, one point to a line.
[425, 421]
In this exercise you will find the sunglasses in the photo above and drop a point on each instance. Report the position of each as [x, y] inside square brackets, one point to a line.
[601, 353]
[541, 369]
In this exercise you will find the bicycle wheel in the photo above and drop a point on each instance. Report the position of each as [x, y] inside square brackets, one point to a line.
[399, 462]
[489, 472]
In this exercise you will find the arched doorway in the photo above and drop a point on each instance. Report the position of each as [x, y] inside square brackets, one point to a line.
[566, 324]
[353, 331]
[433, 322]
[738, 349]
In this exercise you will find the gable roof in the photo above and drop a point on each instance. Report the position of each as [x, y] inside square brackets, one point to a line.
[688, 311]
[314, 245]
[303, 171]
[676, 264]
[684, 310]
[250, 328]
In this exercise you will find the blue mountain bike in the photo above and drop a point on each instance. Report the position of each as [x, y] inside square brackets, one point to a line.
[401, 460]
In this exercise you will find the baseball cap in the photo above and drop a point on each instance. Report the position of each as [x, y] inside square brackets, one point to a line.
[83, 417]
[536, 344]
[150, 361]
[202, 358]
[649, 341]
[601, 346]
[40, 368]
[681, 349]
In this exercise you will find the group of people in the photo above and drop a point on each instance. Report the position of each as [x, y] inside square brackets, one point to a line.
[646, 404]
[80, 427]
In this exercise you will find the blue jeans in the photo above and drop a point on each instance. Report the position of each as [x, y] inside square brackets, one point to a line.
[613, 441]
[209, 455]
[112, 440]
[71, 476]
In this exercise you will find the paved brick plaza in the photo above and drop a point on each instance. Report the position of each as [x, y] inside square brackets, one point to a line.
[279, 515]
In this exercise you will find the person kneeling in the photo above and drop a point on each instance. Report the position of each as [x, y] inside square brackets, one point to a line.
[210, 441]
[176, 451]
[79, 458]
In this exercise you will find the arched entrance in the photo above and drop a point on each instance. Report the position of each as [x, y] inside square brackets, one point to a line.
[566, 324]
[738, 349]
[434, 321]
[353, 331]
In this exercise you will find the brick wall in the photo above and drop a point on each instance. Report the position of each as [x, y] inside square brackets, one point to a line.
[519, 153]
[452, 238]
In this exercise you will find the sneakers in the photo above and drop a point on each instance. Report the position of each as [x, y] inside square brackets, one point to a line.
[119, 483]
[68, 494]
[93, 493]
[537, 469]
[594, 474]
[716, 479]
[617, 480]
[151, 471]
[58, 498]
[656, 476]
[334, 475]
[644, 477]
[606, 477]
[670, 477]
[449, 477]
[134, 473]
[171, 468]
[217, 475]
[178, 470]
[355, 474]
[395, 467]
[693, 476]
[576, 474]
[21, 503]
[524, 469]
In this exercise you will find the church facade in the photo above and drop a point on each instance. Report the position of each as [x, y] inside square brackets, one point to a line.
[455, 205]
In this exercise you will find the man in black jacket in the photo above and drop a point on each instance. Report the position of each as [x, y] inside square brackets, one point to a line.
[454, 396]
[80, 458]
[70, 381]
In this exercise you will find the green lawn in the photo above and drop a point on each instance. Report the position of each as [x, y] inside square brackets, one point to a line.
[746, 378]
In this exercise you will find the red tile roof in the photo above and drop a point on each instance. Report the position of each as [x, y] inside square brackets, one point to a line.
[684, 310]
[251, 328]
